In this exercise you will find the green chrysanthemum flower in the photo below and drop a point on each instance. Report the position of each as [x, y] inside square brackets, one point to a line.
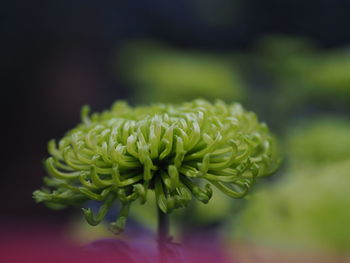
[122, 153]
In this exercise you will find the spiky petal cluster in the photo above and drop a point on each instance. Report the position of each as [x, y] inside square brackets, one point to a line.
[122, 153]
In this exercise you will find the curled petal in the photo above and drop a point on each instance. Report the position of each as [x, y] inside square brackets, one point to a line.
[119, 225]
[95, 220]
[202, 195]
[49, 163]
[229, 191]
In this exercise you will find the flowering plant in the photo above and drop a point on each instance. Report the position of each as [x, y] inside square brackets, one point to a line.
[122, 153]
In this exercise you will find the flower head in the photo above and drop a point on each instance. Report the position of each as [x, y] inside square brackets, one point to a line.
[122, 153]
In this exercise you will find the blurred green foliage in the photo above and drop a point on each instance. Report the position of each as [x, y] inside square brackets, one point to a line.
[303, 212]
[304, 75]
[320, 141]
[330, 76]
[165, 74]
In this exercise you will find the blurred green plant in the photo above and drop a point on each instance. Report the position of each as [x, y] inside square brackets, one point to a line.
[164, 74]
[122, 153]
[308, 211]
[329, 77]
[302, 76]
[319, 141]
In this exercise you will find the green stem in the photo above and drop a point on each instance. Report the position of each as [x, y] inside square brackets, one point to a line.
[163, 235]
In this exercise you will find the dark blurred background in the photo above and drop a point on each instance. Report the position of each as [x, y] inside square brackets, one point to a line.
[58, 55]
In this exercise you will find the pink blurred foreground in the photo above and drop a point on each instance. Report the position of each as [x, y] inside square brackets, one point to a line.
[38, 244]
